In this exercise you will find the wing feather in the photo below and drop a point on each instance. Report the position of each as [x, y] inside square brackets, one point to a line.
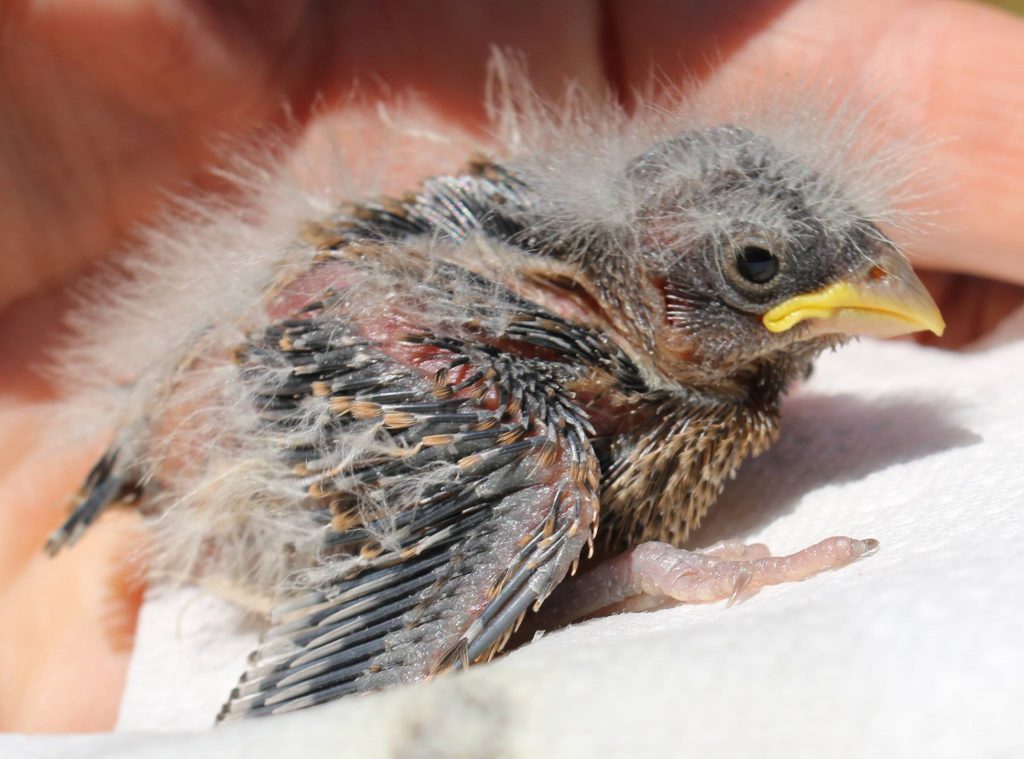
[441, 575]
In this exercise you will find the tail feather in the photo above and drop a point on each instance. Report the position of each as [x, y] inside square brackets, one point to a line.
[107, 483]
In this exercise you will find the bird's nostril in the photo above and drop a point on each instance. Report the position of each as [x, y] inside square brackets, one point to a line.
[877, 273]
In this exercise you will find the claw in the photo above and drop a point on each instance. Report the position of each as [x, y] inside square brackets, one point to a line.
[866, 547]
[742, 581]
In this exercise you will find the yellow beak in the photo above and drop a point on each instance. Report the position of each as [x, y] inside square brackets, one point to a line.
[888, 301]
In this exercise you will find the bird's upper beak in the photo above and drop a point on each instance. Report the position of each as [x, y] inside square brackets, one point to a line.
[885, 300]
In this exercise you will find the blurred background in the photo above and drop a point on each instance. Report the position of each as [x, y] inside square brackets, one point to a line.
[1013, 5]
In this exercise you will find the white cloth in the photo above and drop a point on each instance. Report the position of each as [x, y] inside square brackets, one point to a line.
[915, 651]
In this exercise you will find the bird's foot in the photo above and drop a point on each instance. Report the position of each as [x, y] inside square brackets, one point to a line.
[655, 575]
[730, 570]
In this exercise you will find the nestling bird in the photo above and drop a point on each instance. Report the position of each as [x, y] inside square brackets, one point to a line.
[394, 425]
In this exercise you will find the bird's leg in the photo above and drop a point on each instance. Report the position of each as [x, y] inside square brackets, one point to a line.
[654, 575]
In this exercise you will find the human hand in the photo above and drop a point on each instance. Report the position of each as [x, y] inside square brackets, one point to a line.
[109, 105]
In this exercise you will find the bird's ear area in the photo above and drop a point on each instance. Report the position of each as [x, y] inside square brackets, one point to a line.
[567, 291]
[696, 151]
[688, 166]
[882, 299]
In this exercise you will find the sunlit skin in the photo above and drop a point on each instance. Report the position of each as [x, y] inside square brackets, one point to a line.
[108, 105]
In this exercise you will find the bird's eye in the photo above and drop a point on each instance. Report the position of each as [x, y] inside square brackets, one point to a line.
[756, 264]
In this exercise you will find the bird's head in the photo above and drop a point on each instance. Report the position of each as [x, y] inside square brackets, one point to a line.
[746, 253]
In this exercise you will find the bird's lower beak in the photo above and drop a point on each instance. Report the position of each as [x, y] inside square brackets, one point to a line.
[886, 301]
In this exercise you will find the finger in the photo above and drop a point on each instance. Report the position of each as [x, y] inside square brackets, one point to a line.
[67, 637]
[441, 49]
[972, 306]
[110, 105]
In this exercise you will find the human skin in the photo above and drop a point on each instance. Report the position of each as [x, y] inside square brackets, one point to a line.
[105, 106]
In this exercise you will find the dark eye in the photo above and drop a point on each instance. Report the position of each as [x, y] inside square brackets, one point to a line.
[757, 264]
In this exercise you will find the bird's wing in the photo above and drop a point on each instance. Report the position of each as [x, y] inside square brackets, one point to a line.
[473, 495]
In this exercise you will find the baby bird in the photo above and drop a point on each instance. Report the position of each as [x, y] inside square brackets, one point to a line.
[397, 432]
